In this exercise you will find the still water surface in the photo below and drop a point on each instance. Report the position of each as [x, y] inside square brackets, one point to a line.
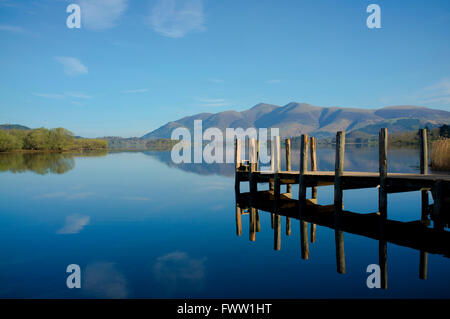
[140, 226]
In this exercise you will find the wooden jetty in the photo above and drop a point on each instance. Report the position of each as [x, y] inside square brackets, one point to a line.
[438, 184]
[415, 234]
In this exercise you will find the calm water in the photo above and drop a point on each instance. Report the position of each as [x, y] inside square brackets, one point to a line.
[141, 226]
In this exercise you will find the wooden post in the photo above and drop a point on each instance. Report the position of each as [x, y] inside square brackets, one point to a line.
[304, 239]
[382, 203]
[339, 169]
[252, 166]
[423, 151]
[437, 206]
[303, 170]
[382, 255]
[313, 232]
[277, 233]
[340, 253]
[252, 232]
[314, 188]
[258, 222]
[238, 220]
[257, 154]
[313, 164]
[287, 143]
[382, 192]
[237, 161]
[288, 226]
[423, 263]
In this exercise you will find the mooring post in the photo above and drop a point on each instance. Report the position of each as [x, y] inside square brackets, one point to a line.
[437, 207]
[277, 187]
[303, 170]
[382, 158]
[338, 172]
[382, 204]
[339, 169]
[238, 220]
[252, 166]
[304, 239]
[252, 232]
[423, 263]
[258, 222]
[313, 164]
[257, 154]
[277, 233]
[272, 163]
[314, 188]
[287, 143]
[288, 226]
[237, 161]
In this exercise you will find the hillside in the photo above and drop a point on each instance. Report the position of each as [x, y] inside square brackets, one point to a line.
[295, 119]
[13, 127]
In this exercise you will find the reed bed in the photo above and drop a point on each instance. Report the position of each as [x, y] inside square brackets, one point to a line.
[440, 155]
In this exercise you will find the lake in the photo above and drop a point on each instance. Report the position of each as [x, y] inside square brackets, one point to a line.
[140, 226]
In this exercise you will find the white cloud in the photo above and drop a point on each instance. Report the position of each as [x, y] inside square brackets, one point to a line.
[49, 95]
[177, 270]
[135, 91]
[11, 28]
[176, 18]
[74, 224]
[101, 14]
[213, 102]
[78, 95]
[102, 279]
[72, 66]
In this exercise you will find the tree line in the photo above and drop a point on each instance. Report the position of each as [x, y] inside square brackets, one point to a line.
[56, 139]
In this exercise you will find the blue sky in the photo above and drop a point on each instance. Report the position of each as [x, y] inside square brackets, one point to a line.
[135, 65]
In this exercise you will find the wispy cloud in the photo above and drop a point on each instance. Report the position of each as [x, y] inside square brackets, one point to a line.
[134, 91]
[101, 14]
[273, 81]
[74, 224]
[64, 195]
[77, 95]
[11, 28]
[176, 18]
[212, 102]
[438, 93]
[49, 95]
[72, 66]
[136, 198]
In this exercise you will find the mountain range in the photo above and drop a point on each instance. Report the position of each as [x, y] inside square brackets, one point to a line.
[295, 119]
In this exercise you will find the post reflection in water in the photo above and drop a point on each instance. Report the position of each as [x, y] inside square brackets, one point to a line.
[417, 234]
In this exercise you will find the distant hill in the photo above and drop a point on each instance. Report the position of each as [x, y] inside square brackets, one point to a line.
[295, 119]
[13, 127]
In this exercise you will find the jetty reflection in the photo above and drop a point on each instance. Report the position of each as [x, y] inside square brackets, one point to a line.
[415, 234]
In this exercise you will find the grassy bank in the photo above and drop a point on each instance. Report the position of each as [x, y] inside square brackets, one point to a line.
[440, 154]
